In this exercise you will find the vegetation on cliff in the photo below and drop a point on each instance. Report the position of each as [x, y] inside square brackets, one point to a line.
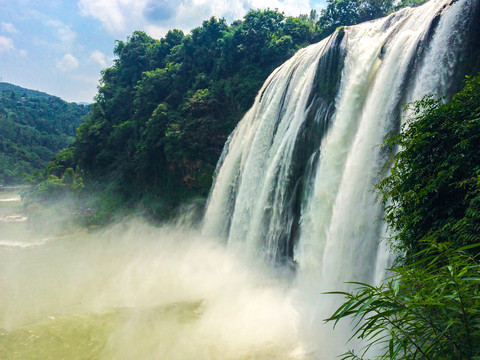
[166, 107]
[34, 127]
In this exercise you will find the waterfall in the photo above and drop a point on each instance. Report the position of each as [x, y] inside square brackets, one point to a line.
[296, 179]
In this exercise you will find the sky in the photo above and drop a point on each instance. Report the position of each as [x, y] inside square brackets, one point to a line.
[61, 46]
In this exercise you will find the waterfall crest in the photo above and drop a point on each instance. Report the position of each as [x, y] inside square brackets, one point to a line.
[306, 155]
[296, 179]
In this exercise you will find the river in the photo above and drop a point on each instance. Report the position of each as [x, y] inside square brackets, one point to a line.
[134, 291]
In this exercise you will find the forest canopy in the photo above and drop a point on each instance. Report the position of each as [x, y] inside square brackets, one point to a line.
[34, 127]
[166, 107]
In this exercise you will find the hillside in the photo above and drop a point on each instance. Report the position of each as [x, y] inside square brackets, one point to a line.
[165, 108]
[5, 87]
[34, 126]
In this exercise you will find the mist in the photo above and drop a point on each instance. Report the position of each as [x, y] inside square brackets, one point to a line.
[136, 291]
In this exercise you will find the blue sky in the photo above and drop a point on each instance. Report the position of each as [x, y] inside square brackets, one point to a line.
[61, 46]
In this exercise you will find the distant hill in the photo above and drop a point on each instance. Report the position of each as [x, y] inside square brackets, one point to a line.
[24, 92]
[34, 126]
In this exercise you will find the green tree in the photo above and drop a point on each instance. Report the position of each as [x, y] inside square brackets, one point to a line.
[431, 192]
[426, 310]
[351, 12]
[166, 107]
[34, 126]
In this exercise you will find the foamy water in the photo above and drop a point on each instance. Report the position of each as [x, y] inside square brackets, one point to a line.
[139, 292]
[23, 244]
[13, 218]
[11, 199]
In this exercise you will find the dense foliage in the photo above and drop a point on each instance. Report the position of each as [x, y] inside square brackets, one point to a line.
[165, 108]
[351, 12]
[34, 126]
[432, 192]
[430, 307]
[427, 311]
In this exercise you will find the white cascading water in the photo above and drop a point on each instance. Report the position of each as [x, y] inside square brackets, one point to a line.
[386, 63]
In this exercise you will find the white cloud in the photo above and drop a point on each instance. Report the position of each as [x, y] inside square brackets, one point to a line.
[67, 63]
[87, 79]
[9, 28]
[191, 13]
[99, 57]
[23, 52]
[64, 33]
[122, 17]
[156, 32]
[290, 7]
[6, 44]
[115, 15]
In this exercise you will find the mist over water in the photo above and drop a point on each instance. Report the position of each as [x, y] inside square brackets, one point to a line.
[134, 291]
